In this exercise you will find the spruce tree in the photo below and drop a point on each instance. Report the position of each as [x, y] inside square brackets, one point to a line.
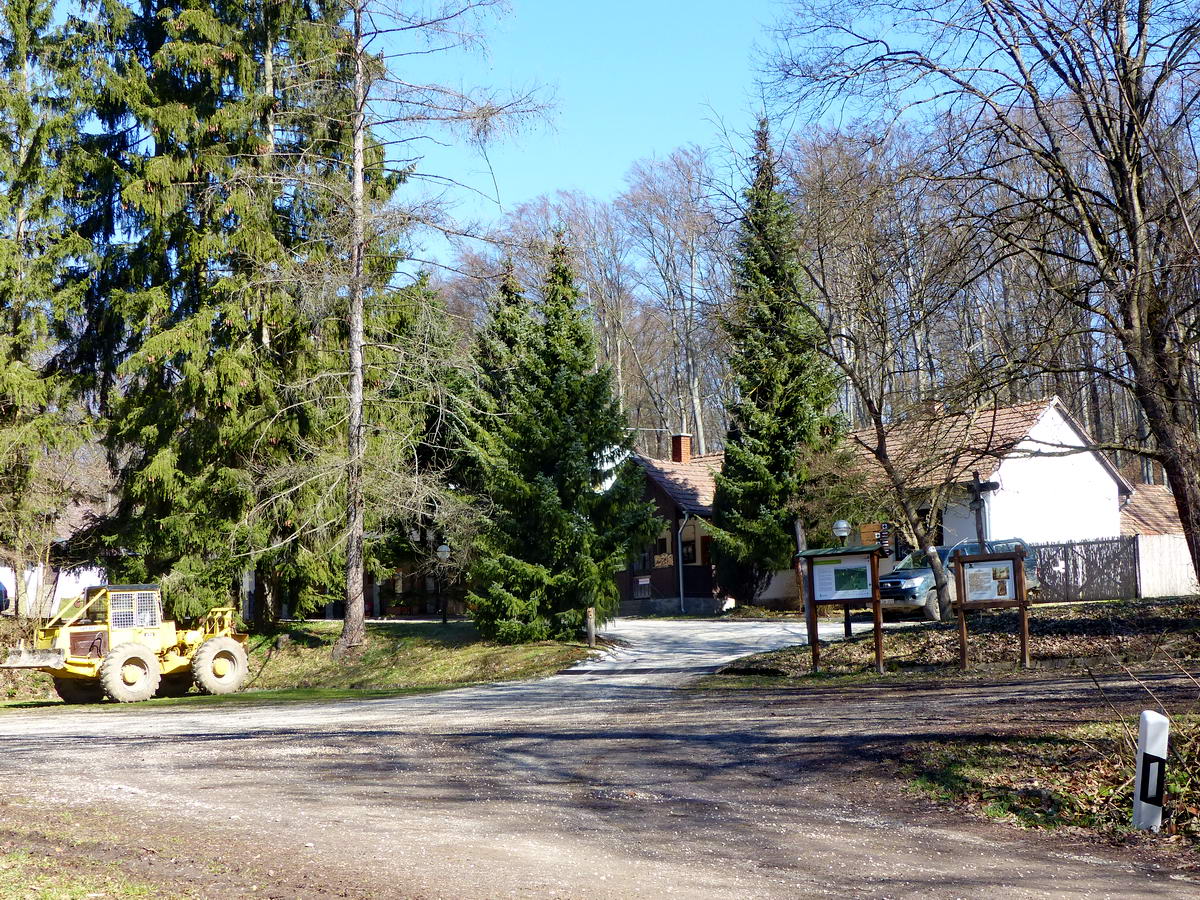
[42, 255]
[566, 504]
[206, 201]
[784, 392]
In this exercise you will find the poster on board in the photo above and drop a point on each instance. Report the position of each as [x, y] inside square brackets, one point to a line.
[994, 580]
[842, 578]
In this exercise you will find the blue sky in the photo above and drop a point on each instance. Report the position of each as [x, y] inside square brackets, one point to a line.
[629, 80]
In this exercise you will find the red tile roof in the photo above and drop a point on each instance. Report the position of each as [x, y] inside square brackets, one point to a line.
[1151, 510]
[947, 448]
[691, 484]
[940, 449]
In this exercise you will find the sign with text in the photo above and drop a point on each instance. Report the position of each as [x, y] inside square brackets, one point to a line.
[841, 576]
[990, 580]
[836, 579]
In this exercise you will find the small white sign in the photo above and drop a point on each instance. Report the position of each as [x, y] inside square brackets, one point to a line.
[836, 579]
[990, 580]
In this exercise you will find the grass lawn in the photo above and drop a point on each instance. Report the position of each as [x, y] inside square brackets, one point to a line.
[1081, 776]
[397, 658]
[1096, 636]
[26, 876]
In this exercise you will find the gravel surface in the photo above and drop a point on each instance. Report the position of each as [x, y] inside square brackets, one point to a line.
[604, 781]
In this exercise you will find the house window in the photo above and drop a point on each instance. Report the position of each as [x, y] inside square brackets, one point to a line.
[689, 552]
[661, 547]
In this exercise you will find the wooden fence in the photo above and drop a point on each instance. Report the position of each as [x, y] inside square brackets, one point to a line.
[1105, 569]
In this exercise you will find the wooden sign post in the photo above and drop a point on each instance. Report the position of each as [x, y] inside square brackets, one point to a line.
[841, 576]
[990, 581]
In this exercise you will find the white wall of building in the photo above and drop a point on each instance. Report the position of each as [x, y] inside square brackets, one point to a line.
[958, 521]
[71, 583]
[782, 586]
[1165, 566]
[1053, 498]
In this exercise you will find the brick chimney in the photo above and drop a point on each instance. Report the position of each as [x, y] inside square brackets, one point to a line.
[681, 448]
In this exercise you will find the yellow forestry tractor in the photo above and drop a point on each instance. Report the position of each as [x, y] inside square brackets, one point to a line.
[113, 642]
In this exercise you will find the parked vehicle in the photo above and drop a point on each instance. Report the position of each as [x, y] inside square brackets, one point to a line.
[113, 642]
[911, 586]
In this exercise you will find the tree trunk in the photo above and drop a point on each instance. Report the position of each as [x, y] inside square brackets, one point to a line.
[43, 597]
[697, 408]
[1178, 448]
[266, 600]
[20, 588]
[354, 627]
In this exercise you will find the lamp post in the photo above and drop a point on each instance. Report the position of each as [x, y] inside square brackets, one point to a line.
[443, 555]
[841, 530]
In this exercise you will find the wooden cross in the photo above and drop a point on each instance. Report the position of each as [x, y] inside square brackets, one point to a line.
[978, 489]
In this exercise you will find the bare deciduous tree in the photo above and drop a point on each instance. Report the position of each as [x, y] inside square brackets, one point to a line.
[1097, 98]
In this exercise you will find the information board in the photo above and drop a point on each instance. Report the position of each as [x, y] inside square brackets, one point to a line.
[837, 579]
[990, 580]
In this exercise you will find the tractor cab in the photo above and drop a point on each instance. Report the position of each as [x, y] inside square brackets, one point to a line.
[114, 605]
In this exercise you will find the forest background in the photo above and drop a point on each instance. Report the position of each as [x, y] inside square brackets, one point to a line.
[217, 329]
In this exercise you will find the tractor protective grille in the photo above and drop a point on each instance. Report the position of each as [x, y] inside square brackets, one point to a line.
[133, 608]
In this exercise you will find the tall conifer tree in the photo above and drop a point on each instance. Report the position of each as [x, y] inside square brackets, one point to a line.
[784, 393]
[41, 257]
[566, 508]
[206, 204]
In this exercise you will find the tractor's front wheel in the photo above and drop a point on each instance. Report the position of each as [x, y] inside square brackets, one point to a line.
[220, 666]
[76, 690]
[130, 673]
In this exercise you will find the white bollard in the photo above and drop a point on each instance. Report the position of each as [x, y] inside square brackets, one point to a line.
[1151, 774]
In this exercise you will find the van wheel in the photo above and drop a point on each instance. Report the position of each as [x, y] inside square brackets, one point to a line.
[931, 609]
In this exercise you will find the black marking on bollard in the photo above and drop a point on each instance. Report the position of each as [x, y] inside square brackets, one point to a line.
[1153, 777]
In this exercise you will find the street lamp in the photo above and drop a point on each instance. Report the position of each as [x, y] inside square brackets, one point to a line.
[841, 530]
[443, 555]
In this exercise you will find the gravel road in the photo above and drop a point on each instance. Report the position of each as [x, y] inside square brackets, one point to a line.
[604, 781]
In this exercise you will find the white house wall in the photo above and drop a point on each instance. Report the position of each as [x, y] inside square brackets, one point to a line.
[71, 583]
[958, 522]
[1165, 567]
[782, 586]
[1057, 497]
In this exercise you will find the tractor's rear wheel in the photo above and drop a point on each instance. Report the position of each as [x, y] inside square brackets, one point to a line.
[130, 673]
[175, 685]
[220, 666]
[76, 690]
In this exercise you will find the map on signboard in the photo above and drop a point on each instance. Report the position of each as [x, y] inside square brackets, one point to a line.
[838, 579]
[851, 578]
[989, 580]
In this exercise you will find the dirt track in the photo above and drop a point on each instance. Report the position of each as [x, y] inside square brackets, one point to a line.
[604, 782]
